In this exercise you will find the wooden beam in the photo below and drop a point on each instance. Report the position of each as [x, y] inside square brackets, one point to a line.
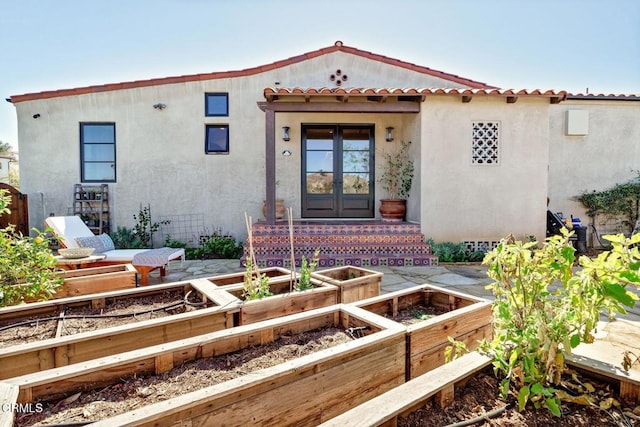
[466, 98]
[512, 99]
[270, 164]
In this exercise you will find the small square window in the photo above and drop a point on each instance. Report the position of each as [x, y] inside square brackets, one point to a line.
[216, 139]
[216, 104]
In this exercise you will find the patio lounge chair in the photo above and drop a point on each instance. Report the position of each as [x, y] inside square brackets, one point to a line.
[73, 233]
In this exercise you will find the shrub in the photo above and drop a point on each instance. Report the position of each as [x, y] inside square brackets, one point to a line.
[536, 325]
[454, 252]
[25, 261]
[216, 246]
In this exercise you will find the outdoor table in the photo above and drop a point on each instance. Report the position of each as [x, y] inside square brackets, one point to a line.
[76, 263]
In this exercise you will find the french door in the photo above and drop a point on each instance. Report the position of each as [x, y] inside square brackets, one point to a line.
[338, 171]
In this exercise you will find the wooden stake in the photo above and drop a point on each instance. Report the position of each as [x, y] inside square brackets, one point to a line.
[293, 258]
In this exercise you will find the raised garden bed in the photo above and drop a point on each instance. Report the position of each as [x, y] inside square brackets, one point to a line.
[93, 280]
[215, 310]
[283, 301]
[305, 390]
[273, 273]
[354, 283]
[437, 389]
[431, 314]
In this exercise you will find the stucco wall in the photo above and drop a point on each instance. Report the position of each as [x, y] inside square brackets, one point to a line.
[465, 202]
[160, 153]
[608, 155]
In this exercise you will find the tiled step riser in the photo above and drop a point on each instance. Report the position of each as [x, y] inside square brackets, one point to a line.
[277, 240]
[363, 261]
[341, 250]
[328, 229]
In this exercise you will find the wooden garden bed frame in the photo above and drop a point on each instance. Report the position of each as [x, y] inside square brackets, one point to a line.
[468, 319]
[304, 391]
[55, 352]
[440, 384]
[283, 302]
[273, 273]
[93, 280]
[354, 283]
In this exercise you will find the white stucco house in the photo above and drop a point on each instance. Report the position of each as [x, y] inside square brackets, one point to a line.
[214, 144]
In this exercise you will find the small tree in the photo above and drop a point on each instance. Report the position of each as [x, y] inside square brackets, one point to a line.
[27, 266]
[397, 173]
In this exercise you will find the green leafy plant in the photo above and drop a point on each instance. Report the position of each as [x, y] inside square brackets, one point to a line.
[620, 200]
[27, 266]
[170, 242]
[536, 325]
[256, 284]
[454, 252]
[125, 238]
[397, 172]
[306, 268]
[144, 227]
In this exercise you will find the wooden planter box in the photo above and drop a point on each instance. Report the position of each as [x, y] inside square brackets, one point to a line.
[466, 318]
[94, 280]
[65, 350]
[303, 392]
[354, 283]
[283, 302]
[273, 273]
[441, 382]
[97, 279]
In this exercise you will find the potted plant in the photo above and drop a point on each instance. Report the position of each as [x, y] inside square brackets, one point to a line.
[396, 180]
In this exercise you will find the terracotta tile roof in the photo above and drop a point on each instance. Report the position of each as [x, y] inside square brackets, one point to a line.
[604, 97]
[272, 94]
[337, 47]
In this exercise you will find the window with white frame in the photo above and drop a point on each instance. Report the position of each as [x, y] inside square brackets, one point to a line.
[98, 152]
[485, 147]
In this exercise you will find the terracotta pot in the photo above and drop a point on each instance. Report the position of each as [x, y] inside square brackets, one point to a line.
[393, 210]
[280, 209]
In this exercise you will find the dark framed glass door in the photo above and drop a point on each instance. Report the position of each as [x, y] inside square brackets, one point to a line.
[337, 171]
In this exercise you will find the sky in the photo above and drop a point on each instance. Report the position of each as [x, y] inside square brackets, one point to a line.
[573, 45]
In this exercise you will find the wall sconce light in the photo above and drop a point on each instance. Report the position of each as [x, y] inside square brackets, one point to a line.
[37, 115]
[286, 153]
[389, 134]
[159, 106]
[285, 133]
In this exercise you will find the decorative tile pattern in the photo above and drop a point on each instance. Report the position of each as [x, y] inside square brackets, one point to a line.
[357, 243]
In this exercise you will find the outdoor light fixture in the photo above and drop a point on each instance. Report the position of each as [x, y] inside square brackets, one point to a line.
[286, 153]
[389, 134]
[285, 133]
[159, 106]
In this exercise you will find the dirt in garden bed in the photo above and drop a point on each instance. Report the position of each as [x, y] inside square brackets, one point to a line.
[132, 393]
[416, 314]
[116, 312]
[480, 395]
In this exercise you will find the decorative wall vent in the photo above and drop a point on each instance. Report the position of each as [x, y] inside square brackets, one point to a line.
[485, 143]
[480, 245]
[338, 77]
